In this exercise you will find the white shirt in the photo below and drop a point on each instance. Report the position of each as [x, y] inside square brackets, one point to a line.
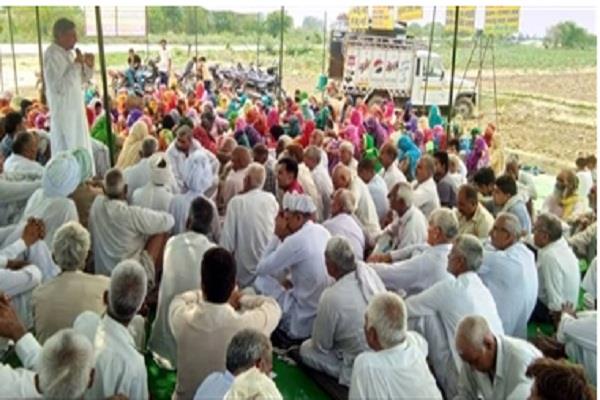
[120, 231]
[154, 197]
[421, 271]
[559, 274]
[310, 188]
[19, 164]
[234, 184]
[138, 175]
[585, 182]
[512, 278]
[348, 226]
[119, 368]
[513, 356]
[579, 337]
[248, 227]
[181, 273]
[452, 299]
[18, 383]
[13, 198]
[408, 230]
[164, 58]
[400, 372]
[101, 157]
[589, 283]
[54, 211]
[324, 186]
[177, 161]
[303, 254]
[338, 327]
[425, 196]
[392, 175]
[365, 208]
[64, 79]
[379, 191]
[215, 386]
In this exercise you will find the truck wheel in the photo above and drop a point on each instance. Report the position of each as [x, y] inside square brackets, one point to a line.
[464, 107]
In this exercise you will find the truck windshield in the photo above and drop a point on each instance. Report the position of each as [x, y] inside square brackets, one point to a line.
[435, 67]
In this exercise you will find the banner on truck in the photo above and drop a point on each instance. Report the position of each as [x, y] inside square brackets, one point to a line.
[501, 20]
[382, 18]
[466, 19]
[409, 13]
[358, 18]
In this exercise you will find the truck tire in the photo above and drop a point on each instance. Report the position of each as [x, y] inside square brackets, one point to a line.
[464, 107]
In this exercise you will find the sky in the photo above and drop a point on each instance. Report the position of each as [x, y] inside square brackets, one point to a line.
[534, 21]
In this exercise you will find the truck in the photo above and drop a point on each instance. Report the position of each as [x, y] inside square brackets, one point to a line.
[377, 66]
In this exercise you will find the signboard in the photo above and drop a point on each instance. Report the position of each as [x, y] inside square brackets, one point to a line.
[358, 18]
[382, 18]
[117, 21]
[409, 13]
[502, 21]
[466, 19]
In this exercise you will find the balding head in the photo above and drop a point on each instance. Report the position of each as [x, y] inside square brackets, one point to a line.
[260, 153]
[149, 147]
[25, 145]
[341, 177]
[506, 231]
[240, 158]
[343, 201]
[476, 343]
[312, 157]
[566, 183]
[114, 184]
[425, 168]
[388, 154]
[255, 177]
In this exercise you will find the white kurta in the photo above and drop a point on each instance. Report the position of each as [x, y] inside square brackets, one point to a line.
[589, 284]
[379, 192]
[338, 336]
[585, 182]
[400, 372]
[234, 184]
[248, 227]
[392, 175]
[308, 185]
[512, 278]
[348, 226]
[64, 80]
[408, 230]
[579, 338]
[138, 175]
[119, 368]
[303, 254]
[177, 162]
[154, 197]
[21, 165]
[324, 186]
[417, 273]
[101, 157]
[513, 356]
[365, 208]
[18, 383]
[181, 273]
[436, 312]
[425, 196]
[559, 274]
[120, 231]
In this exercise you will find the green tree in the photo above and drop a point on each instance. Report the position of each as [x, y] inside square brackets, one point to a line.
[310, 23]
[569, 35]
[273, 23]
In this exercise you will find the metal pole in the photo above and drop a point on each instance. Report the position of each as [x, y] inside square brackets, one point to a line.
[324, 44]
[12, 47]
[257, 39]
[196, 29]
[104, 84]
[479, 80]
[451, 98]
[429, 58]
[494, 75]
[147, 33]
[40, 56]
[281, 51]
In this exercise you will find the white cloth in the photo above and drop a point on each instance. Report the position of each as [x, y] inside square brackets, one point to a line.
[440, 308]
[310, 188]
[180, 210]
[215, 386]
[164, 58]
[54, 211]
[579, 338]
[400, 372]
[234, 184]
[157, 198]
[64, 79]
[589, 283]
[527, 180]
[177, 161]
[303, 254]
[419, 272]
[338, 336]
[119, 368]
[18, 286]
[365, 208]
[513, 356]
[392, 175]
[512, 278]
[120, 231]
[181, 273]
[348, 226]
[101, 157]
[425, 196]
[324, 186]
[18, 383]
[585, 182]
[558, 270]
[296, 202]
[379, 191]
[136, 176]
[248, 227]
[19, 164]
[13, 198]
[408, 230]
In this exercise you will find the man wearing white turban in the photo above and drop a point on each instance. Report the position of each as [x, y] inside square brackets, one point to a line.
[297, 249]
[198, 178]
[156, 194]
[86, 192]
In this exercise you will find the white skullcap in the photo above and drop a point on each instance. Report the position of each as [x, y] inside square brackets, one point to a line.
[159, 175]
[253, 384]
[299, 203]
[197, 172]
[61, 176]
